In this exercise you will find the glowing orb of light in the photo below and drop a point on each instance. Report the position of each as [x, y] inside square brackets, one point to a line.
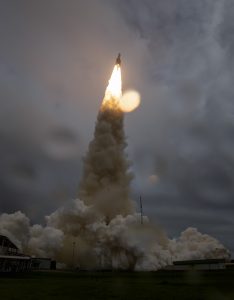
[153, 179]
[130, 101]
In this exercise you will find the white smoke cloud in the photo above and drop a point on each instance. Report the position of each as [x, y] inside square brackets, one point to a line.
[194, 245]
[124, 243]
[16, 227]
[45, 241]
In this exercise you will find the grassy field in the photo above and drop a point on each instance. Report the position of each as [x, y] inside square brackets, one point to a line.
[118, 285]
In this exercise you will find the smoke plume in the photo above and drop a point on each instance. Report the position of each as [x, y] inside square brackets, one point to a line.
[105, 182]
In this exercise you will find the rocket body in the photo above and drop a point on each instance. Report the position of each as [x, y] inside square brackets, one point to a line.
[118, 60]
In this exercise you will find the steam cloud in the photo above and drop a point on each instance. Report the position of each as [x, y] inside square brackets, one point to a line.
[102, 226]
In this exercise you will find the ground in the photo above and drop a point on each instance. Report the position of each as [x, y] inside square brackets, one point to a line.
[164, 285]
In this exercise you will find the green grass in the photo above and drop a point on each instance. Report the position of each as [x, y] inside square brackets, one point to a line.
[213, 285]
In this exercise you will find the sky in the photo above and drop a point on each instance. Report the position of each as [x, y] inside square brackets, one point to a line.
[55, 61]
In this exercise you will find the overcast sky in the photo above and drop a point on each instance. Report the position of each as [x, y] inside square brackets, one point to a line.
[55, 60]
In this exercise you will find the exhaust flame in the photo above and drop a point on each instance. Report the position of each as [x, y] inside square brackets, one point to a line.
[114, 88]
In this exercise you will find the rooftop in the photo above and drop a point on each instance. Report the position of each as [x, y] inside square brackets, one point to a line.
[6, 242]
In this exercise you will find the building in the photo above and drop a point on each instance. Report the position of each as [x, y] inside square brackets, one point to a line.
[12, 263]
[7, 247]
[11, 260]
[42, 263]
[199, 264]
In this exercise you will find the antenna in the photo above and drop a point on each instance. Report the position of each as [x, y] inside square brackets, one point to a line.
[73, 254]
[141, 210]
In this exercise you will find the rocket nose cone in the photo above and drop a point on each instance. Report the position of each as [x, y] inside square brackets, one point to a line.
[118, 60]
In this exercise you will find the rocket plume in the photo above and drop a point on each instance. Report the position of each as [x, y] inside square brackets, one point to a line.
[114, 88]
[103, 222]
[106, 179]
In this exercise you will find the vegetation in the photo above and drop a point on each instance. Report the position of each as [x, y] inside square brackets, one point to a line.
[118, 285]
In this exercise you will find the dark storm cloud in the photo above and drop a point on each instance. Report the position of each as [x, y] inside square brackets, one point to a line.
[191, 112]
[55, 59]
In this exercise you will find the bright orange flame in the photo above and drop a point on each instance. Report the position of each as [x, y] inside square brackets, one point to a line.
[114, 88]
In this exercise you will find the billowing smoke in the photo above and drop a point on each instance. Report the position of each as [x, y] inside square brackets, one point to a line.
[16, 227]
[35, 240]
[101, 229]
[105, 182]
[194, 245]
[123, 243]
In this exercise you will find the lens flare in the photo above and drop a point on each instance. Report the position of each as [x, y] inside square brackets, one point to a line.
[129, 101]
[114, 88]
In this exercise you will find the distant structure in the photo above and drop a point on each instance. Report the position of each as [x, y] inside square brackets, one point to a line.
[141, 208]
[201, 264]
[10, 258]
[43, 263]
[7, 247]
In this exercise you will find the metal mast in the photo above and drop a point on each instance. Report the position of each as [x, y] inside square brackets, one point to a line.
[141, 210]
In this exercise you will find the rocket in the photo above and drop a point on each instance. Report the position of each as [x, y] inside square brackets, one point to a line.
[118, 60]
